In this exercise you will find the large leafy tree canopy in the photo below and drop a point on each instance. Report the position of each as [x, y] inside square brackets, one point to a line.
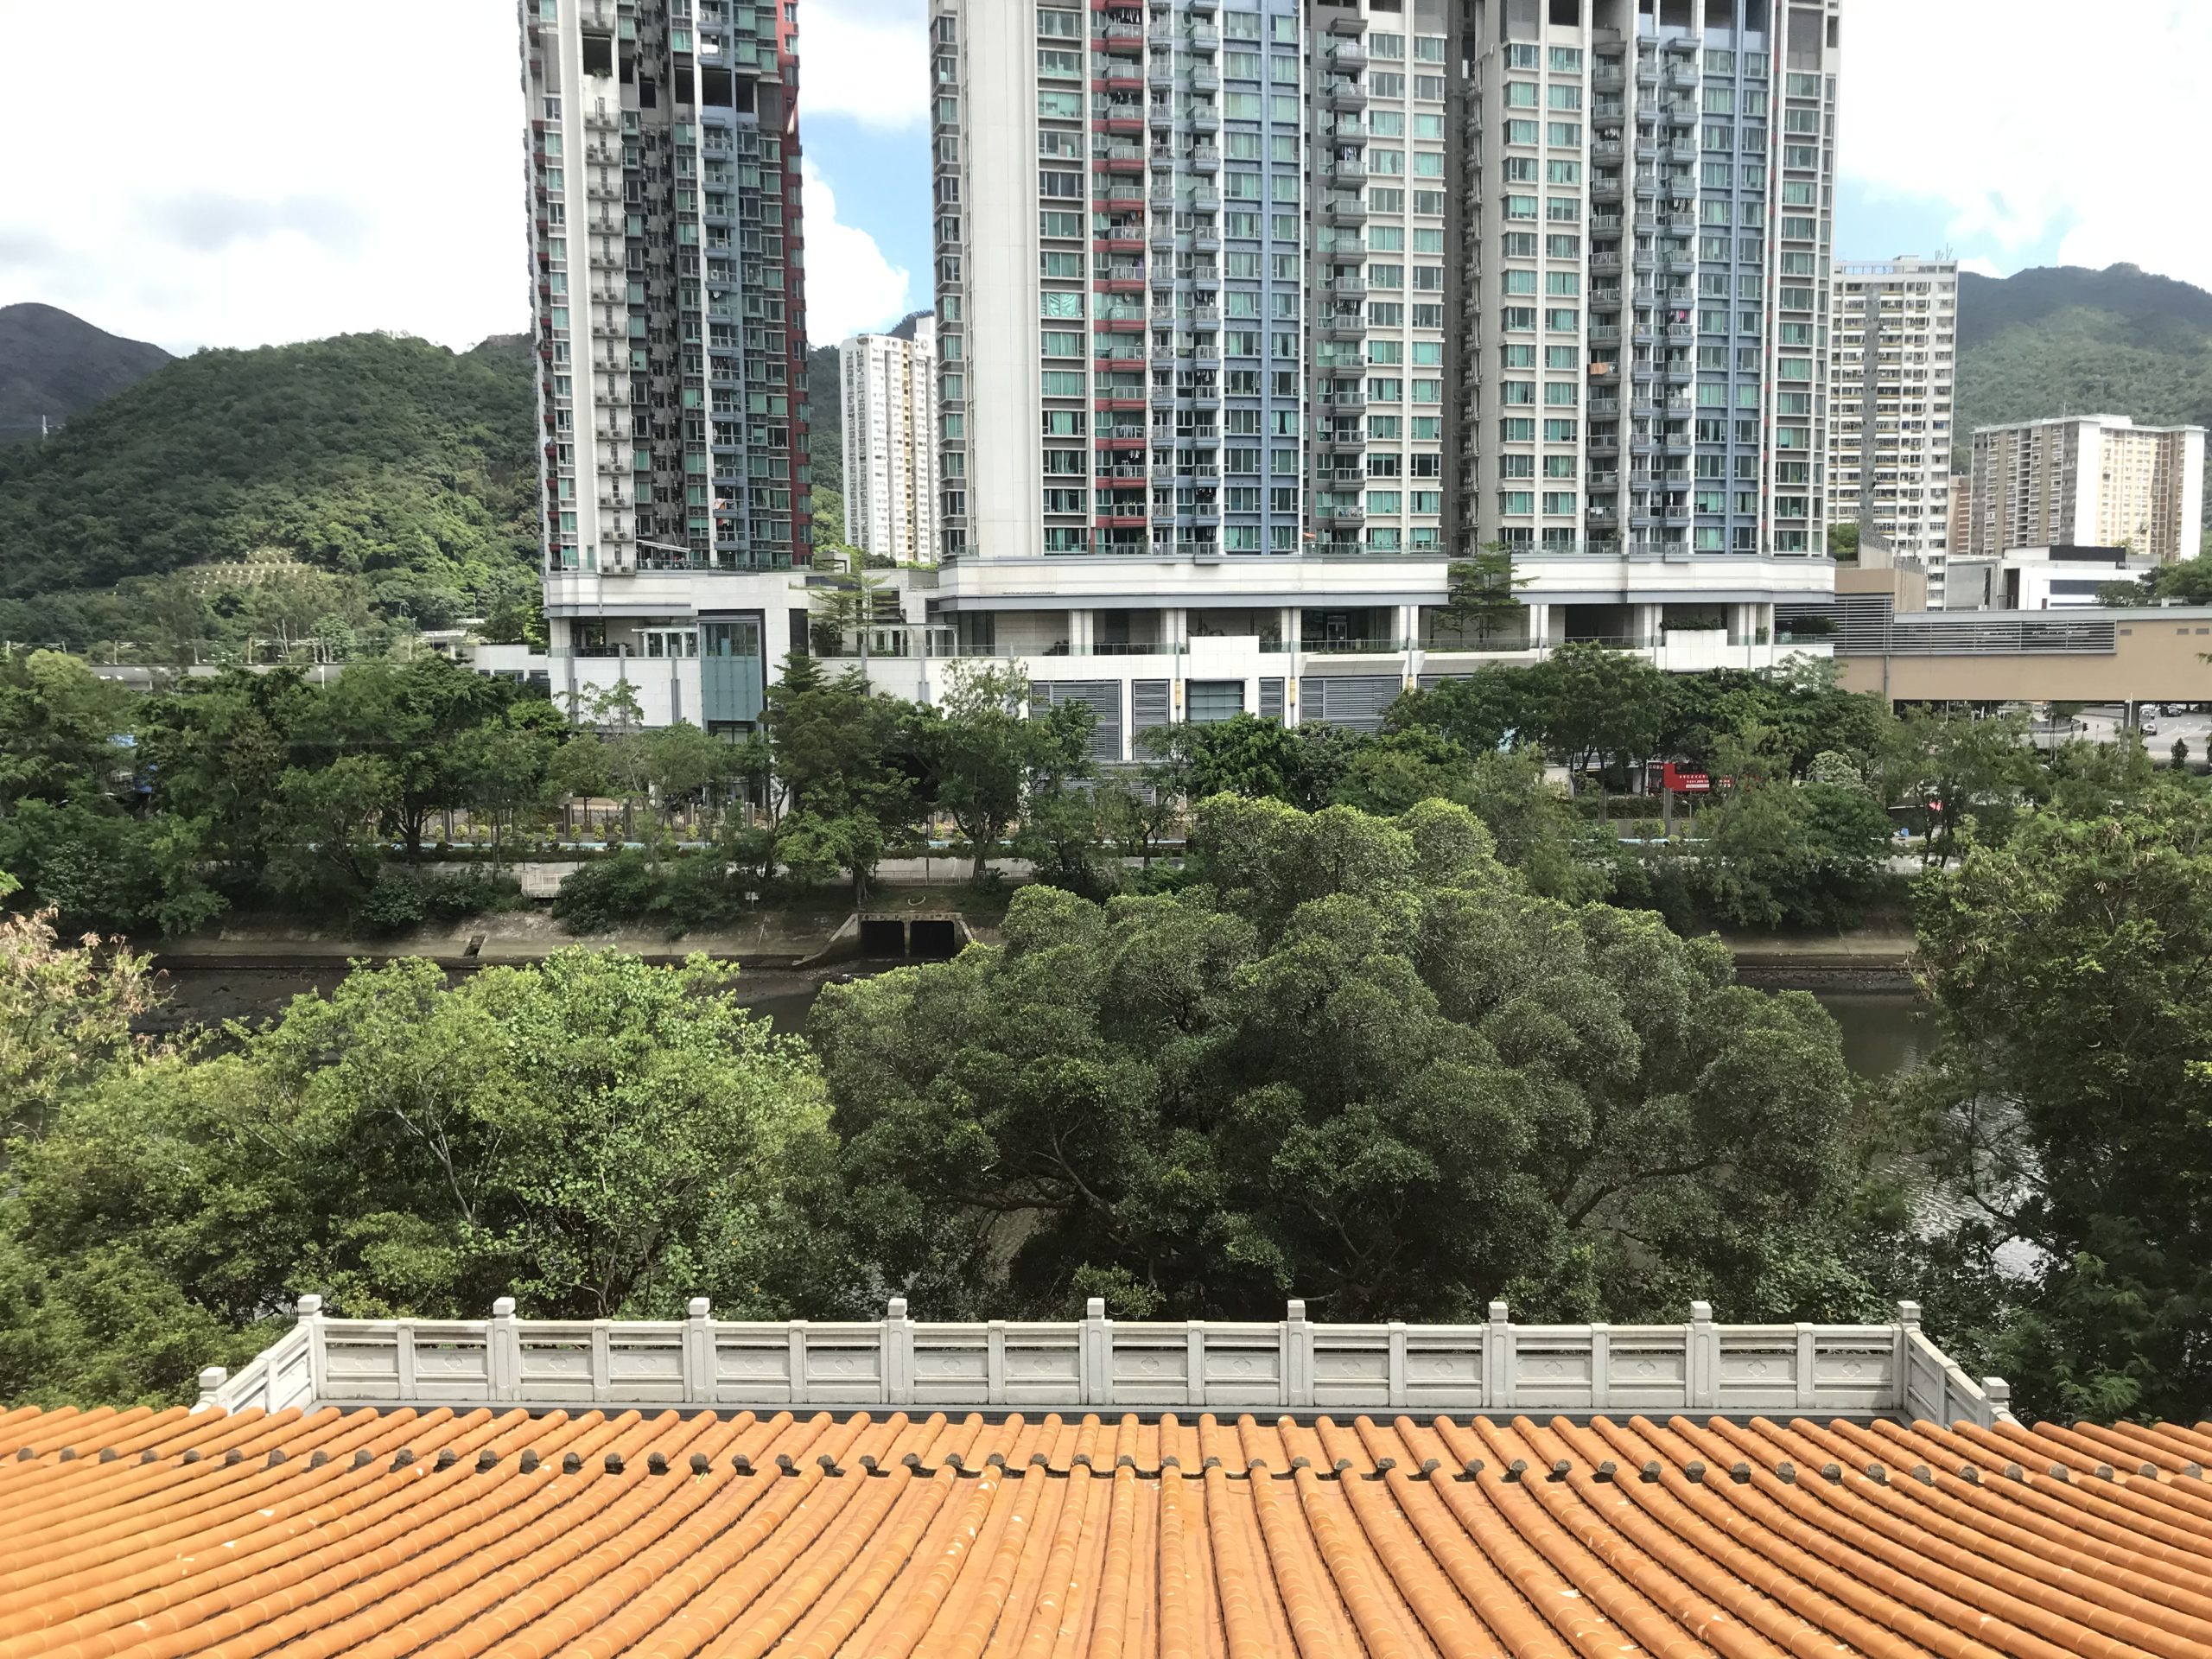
[1358, 1063]
[593, 1136]
[2071, 1097]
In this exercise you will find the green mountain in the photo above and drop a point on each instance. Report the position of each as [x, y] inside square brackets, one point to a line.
[53, 364]
[2071, 341]
[374, 479]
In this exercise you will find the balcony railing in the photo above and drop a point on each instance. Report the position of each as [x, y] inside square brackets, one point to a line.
[1293, 1363]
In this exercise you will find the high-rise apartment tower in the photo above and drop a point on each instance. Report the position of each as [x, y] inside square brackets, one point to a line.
[2096, 481]
[1643, 225]
[666, 263]
[1251, 246]
[1892, 348]
[889, 410]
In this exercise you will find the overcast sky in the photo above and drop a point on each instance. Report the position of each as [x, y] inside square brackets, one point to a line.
[290, 169]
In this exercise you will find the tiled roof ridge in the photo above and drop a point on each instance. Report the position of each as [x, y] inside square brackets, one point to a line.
[2155, 1453]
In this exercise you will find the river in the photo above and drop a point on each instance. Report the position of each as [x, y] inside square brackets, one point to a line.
[1883, 1030]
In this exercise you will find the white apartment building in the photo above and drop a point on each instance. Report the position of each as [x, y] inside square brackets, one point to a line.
[1892, 350]
[889, 388]
[2095, 481]
[1254, 314]
[666, 263]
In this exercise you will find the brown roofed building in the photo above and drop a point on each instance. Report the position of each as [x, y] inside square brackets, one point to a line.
[501, 1528]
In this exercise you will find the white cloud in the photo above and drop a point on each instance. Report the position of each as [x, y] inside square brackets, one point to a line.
[850, 284]
[292, 172]
[1977, 105]
[1981, 265]
[866, 59]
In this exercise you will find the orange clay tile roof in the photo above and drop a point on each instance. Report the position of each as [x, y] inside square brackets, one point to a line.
[146, 1534]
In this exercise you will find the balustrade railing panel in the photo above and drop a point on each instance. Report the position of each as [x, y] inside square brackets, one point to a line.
[1099, 1364]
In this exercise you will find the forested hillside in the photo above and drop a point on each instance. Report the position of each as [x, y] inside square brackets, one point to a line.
[2070, 341]
[383, 478]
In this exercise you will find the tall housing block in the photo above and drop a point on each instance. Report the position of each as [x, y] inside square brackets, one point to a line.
[665, 257]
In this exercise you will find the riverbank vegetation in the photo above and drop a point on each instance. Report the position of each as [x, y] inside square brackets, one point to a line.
[346, 804]
[1350, 1055]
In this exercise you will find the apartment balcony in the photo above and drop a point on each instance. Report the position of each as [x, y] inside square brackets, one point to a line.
[1204, 318]
[1343, 325]
[1682, 229]
[1682, 77]
[1647, 151]
[1676, 478]
[1123, 279]
[1345, 19]
[1603, 448]
[1605, 264]
[1163, 201]
[1123, 77]
[1204, 38]
[1604, 408]
[1108, 33]
[1204, 158]
[1609, 80]
[1201, 7]
[1350, 172]
[1204, 80]
[1205, 278]
[1606, 224]
[1607, 151]
[1160, 76]
[1647, 75]
[1647, 187]
[1604, 334]
[1342, 211]
[1121, 197]
[1643, 297]
[1606, 188]
[1341, 93]
[1346, 519]
[1346, 288]
[1205, 120]
[1161, 112]
[1341, 441]
[1123, 158]
[1344, 403]
[1124, 119]
[1681, 333]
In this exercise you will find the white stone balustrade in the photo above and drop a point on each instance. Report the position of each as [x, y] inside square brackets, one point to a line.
[1108, 1365]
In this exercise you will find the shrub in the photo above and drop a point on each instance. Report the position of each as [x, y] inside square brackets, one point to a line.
[688, 890]
[394, 903]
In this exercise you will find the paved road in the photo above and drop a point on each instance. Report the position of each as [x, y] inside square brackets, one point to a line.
[2102, 725]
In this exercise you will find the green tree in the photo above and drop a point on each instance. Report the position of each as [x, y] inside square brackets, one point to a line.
[1779, 854]
[2069, 1097]
[1304, 766]
[1481, 712]
[1843, 542]
[1481, 597]
[597, 1137]
[411, 716]
[981, 754]
[1356, 1061]
[59, 729]
[1960, 769]
[1597, 707]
